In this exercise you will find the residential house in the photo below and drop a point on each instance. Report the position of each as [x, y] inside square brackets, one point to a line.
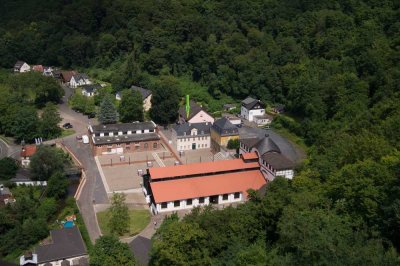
[66, 76]
[250, 108]
[196, 114]
[221, 132]
[21, 67]
[90, 90]
[26, 153]
[124, 138]
[66, 247]
[262, 120]
[6, 196]
[146, 96]
[38, 68]
[273, 163]
[233, 119]
[192, 136]
[279, 108]
[28, 259]
[179, 187]
[58, 75]
[79, 80]
[48, 71]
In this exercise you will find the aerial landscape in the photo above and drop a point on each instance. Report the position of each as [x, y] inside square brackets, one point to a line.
[199, 132]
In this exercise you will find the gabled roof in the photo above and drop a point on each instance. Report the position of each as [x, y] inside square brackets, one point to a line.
[123, 127]
[278, 161]
[19, 64]
[203, 186]
[28, 150]
[89, 88]
[224, 127]
[263, 145]
[187, 128]
[80, 76]
[144, 92]
[200, 168]
[67, 75]
[66, 243]
[194, 110]
[38, 68]
[249, 103]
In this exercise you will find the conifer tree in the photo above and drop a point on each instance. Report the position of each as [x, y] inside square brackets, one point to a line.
[108, 114]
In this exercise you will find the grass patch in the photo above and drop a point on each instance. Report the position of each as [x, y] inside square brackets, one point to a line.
[67, 132]
[292, 137]
[139, 219]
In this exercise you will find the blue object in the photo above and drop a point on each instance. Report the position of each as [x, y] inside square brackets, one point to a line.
[68, 224]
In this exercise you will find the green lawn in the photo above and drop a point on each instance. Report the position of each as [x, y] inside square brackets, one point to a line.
[139, 219]
[67, 132]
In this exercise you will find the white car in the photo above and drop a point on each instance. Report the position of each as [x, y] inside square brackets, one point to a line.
[85, 139]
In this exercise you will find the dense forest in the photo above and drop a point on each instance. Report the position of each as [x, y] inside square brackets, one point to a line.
[334, 64]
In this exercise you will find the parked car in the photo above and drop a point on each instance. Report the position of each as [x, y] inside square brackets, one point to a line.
[85, 139]
[67, 125]
[91, 115]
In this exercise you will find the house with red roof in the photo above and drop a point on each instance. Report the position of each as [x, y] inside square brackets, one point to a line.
[181, 187]
[26, 153]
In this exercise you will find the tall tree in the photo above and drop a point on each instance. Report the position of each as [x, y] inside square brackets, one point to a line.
[25, 124]
[47, 161]
[131, 106]
[108, 250]
[108, 113]
[49, 122]
[119, 220]
[165, 100]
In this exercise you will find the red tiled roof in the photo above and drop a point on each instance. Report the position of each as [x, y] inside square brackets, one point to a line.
[67, 75]
[28, 151]
[203, 186]
[249, 155]
[38, 68]
[200, 168]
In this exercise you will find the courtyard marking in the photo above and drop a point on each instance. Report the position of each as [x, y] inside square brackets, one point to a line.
[158, 160]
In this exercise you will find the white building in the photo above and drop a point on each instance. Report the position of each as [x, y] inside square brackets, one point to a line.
[181, 187]
[250, 108]
[79, 80]
[196, 114]
[272, 162]
[21, 67]
[262, 120]
[190, 136]
[90, 90]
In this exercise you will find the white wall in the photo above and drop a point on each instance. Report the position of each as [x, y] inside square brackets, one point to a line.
[195, 203]
[25, 68]
[71, 260]
[185, 143]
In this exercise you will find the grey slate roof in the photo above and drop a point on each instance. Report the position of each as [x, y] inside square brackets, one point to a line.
[194, 110]
[124, 127]
[126, 138]
[249, 103]
[144, 92]
[67, 243]
[202, 129]
[263, 145]
[224, 127]
[278, 161]
[80, 76]
[19, 64]
[89, 88]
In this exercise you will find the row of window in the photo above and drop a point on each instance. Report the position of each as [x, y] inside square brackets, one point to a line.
[189, 202]
[198, 146]
[106, 134]
[127, 146]
[194, 133]
[199, 138]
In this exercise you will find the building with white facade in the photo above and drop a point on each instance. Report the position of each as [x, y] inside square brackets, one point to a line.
[90, 90]
[196, 114]
[181, 187]
[21, 67]
[192, 136]
[79, 80]
[273, 163]
[251, 107]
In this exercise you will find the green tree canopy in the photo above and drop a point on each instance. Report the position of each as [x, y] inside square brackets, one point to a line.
[119, 220]
[48, 161]
[49, 121]
[108, 113]
[108, 250]
[131, 106]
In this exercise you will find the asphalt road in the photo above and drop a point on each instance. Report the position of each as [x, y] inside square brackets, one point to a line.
[93, 192]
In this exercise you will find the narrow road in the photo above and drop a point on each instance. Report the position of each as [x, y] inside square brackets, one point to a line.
[93, 192]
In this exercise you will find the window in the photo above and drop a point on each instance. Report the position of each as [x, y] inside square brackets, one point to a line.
[189, 202]
[128, 148]
[236, 195]
[164, 205]
[155, 145]
[201, 200]
[146, 145]
[177, 203]
[137, 146]
[225, 197]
